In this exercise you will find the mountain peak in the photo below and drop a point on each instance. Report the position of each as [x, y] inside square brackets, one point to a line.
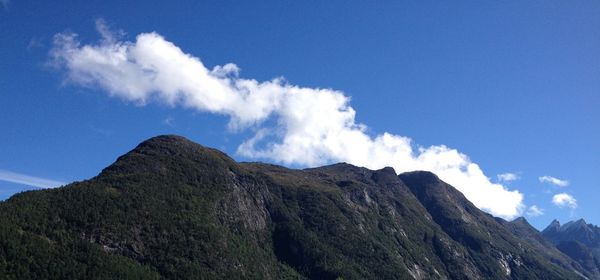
[574, 225]
[157, 153]
[578, 240]
[521, 220]
[520, 224]
[166, 140]
[175, 145]
[553, 226]
[388, 170]
[423, 176]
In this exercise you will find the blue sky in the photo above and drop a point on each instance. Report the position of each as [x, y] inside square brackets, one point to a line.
[512, 85]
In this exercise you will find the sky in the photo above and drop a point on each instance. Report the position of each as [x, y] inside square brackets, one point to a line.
[498, 98]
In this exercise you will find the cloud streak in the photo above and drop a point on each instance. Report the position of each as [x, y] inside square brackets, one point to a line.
[23, 179]
[290, 124]
[508, 177]
[554, 181]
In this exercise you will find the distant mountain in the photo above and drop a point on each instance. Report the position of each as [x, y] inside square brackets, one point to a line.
[173, 209]
[522, 229]
[579, 230]
[579, 240]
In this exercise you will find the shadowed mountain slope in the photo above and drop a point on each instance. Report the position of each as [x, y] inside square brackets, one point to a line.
[492, 245]
[578, 240]
[522, 229]
[173, 209]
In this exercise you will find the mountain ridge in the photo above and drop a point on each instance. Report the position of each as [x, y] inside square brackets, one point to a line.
[578, 240]
[171, 208]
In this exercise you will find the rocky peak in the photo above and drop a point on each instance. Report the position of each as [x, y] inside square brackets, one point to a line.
[553, 226]
[579, 224]
[521, 221]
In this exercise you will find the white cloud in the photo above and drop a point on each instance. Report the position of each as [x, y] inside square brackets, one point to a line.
[508, 177]
[534, 211]
[312, 126]
[564, 200]
[23, 179]
[554, 181]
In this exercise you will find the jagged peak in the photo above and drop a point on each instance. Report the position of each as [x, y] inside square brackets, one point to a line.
[553, 226]
[574, 225]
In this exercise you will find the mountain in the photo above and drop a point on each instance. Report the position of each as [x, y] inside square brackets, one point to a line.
[579, 230]
[523, 230]
[579, 240]
[515, 245]
[173, 209]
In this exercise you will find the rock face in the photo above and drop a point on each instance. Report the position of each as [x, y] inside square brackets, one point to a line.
[174, 209]
[496, 246]
[579, 240]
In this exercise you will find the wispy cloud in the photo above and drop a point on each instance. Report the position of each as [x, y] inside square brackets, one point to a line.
[534, 211]
[564, 200]
[34, 43]
[554, 181]
[508, 177]
[169, 121]
[309, 127]
[102, 131]
[23, 179]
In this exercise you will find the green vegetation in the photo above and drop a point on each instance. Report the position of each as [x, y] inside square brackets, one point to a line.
[176, 210]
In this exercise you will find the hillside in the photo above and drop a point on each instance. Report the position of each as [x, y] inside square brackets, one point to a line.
[173, 209]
